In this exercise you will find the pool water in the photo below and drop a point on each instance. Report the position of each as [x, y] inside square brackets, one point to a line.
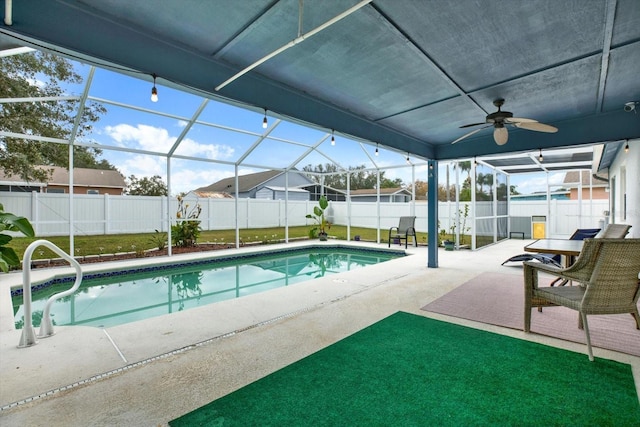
[122, 298]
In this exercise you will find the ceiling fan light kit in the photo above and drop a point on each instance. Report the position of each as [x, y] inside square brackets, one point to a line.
[500, 119]
[500, 134]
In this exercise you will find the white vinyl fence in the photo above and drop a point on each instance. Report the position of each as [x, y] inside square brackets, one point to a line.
[104, 214]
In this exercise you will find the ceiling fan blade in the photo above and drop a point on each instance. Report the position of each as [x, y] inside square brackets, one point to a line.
[519, 120]
[539, 127]
[472, 124]
[469, 134]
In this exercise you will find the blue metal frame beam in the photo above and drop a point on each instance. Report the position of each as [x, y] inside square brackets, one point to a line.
[432, 214]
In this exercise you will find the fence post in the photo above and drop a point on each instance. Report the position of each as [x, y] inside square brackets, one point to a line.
[107, 216]
[34, 212]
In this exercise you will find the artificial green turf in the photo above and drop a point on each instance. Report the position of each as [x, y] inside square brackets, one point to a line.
[409, 370]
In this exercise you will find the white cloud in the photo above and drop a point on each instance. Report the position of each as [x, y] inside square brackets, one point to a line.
[157, 139]
[189, 147]
[186, 176]
[535, 183]
[142, 166]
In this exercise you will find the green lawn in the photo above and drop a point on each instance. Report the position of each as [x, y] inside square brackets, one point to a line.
[114, 243]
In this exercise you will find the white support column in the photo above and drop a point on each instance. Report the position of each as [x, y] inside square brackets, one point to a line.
[286, 206]
[169, 238]
[71, 216]
[236, 207]
[495, 207]
[580, 199]
[378, 203]
[473, 209]
[413, 191]
[348, 206]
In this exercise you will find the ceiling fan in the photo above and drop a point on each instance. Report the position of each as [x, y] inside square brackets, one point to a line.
[500, 119]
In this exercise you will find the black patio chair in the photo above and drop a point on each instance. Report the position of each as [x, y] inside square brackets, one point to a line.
[405, 228]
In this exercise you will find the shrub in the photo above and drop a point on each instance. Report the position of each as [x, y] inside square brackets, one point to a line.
[186, 231]
[11, 222]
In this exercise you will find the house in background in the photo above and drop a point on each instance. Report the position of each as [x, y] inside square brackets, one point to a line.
[263, 185]
[15, 184]
[554, 195]
[332, 194]
[393, 195]
[85, 181]
[599, 186]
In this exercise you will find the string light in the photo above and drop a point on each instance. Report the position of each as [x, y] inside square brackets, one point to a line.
[264, 121]
[154, 91]
[540, 158]
[377, 149]
[626, 147]
[333, 138]
[408, 161]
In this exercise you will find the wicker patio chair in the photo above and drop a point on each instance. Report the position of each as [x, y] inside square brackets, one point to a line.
[607, 273]
[405, 228]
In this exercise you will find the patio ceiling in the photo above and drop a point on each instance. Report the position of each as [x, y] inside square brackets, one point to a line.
[406, 74]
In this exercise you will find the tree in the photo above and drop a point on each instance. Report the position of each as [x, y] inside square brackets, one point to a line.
[39, 74]
[360, 179]
[422, 190]
[146, 186]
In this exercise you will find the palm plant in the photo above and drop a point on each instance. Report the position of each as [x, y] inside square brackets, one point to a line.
[322, 225]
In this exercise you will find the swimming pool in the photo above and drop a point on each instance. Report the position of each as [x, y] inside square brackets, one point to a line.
[116, 297]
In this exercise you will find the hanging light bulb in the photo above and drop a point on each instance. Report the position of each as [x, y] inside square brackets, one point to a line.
[500, 134]
[540, 158]
[154, 91]
[626, 147]
[333, 138]
[408, 161]
[264, 121]
[376, 149]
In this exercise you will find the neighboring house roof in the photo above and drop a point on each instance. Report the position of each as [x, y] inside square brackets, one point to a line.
[17, 180]
[291, 190]
[87, 177]
[245, 182]
[212, 195]
[81, 177]
[383, 191]
[326, 187]
[572, 178]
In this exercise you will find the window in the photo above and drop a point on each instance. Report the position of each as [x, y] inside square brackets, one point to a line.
[93, 192]
[55, 190]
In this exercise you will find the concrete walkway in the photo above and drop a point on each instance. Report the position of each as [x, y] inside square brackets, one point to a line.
[149, 372]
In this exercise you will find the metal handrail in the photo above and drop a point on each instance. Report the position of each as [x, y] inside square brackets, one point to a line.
[28, 337]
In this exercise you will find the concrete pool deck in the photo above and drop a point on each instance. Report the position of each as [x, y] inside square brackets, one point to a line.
[149, 372]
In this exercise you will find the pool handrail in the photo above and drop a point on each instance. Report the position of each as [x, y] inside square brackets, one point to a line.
[28, 337]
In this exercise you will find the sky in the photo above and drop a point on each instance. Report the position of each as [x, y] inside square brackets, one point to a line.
[287, 142]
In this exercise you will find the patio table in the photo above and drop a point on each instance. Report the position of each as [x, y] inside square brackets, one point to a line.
[565, 247]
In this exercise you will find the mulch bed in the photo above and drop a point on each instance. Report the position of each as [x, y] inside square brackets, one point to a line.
[58, 262]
